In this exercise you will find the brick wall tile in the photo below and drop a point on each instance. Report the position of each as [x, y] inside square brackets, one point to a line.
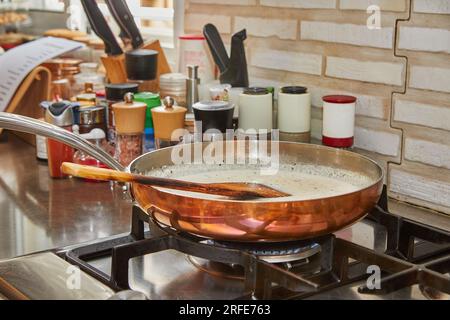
[370, 71]
[228, 2]
[424, 39]
[304, 4]
[287, 61]
[262, 27]
[353, 34]
[428, 152]
[422, 114]
[432, 6]
[196, 22]
[430, 78]
[431, 187]
[385, 5]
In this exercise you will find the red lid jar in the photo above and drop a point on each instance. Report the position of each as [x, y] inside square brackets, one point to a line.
[339, 121]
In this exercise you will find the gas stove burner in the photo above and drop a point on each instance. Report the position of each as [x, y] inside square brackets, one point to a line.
[277, 252]
[299, 256]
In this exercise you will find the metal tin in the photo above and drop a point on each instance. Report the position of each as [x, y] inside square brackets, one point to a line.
[339, 121]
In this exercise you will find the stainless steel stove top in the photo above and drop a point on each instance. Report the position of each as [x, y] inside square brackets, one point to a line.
[170, 275]
[403, 257]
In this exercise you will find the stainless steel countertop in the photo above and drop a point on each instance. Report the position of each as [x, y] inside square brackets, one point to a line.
[38, 213]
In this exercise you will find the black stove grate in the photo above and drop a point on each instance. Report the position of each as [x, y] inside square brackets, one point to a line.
[415, 254]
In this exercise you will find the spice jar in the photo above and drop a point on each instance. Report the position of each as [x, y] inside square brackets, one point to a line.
[152, 100]
[90, 117]
[88, 74]
[130, 124]
[168, 119]
[255, 109]
[100, 98]
[61, 115]
[87, 97]
[174, 85]
[63, 71]
[97, 137]
[115, 94]
[294, 114]
[339, 121]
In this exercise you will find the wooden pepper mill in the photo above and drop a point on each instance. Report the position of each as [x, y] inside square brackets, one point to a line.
[167, 119]
[130, 124]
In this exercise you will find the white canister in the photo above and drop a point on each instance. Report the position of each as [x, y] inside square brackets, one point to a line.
[193, 50]
[294, 110]
[234, 95]
[339, 121]
[255, 109]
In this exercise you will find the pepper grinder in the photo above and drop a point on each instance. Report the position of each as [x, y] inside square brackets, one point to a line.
[130, 125]
[168, 119]
[192, 83]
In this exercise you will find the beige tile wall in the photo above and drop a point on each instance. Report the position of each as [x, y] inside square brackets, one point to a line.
[400, 74]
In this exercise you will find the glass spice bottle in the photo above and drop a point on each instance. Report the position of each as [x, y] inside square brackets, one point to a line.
[152, 100]
[130, 124]
[96, 137]
[115, 94]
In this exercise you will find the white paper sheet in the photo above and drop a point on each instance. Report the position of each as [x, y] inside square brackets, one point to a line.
[17, 63]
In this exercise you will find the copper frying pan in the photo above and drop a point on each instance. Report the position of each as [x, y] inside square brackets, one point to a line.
[284, 219]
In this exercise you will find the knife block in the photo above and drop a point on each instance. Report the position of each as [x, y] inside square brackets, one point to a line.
[34, 89]
[116, 71]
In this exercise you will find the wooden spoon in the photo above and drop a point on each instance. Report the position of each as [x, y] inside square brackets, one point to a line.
[240, 190]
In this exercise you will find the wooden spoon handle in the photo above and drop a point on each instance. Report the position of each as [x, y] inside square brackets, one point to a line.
[237, 190]
[94, 173]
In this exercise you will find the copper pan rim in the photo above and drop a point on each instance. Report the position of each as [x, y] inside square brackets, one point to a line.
[249, 202]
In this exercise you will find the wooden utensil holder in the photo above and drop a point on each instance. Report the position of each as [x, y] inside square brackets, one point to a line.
[116, 70]
[34, 89]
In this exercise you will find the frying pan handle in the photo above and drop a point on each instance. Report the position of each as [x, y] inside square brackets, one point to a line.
[29, 125]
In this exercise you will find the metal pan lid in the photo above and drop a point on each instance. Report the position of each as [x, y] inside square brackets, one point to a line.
[339, 99]
[294, 90]
[91, 115]
[256, 91]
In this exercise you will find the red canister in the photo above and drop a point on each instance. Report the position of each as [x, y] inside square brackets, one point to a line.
[339, 121]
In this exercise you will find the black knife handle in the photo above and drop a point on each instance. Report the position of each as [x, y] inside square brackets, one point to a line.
[122, 14]
[217, 47]
[100, 26]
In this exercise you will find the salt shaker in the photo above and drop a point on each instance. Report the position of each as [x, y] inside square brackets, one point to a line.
[167, 120]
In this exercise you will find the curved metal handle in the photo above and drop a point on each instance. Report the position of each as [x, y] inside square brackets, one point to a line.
[29, 125]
